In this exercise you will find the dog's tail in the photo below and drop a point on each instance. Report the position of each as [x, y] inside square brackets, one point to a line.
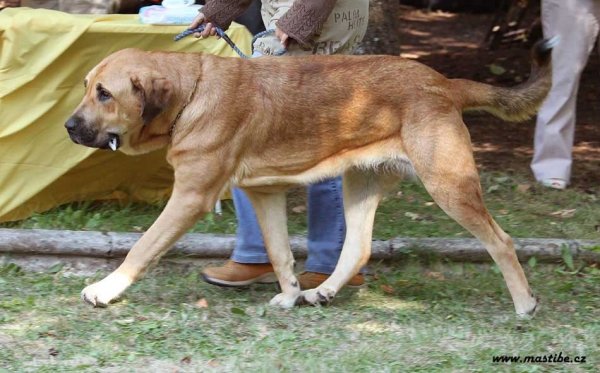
[511, 104]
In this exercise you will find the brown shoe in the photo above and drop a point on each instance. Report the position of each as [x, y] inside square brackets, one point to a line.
[311, 280]
[239, 274]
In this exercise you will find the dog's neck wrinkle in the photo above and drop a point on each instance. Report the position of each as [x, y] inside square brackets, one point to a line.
[183, 81]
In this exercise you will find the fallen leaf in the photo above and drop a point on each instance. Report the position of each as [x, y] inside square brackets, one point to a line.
[299, 209]
[502, 212]
[187, 360]
[53, 351]
[124, 321]
[532, 261]
[413, 216]
[202, 303]
[411, 56]
[55, 268]
[437, 275]
[399, 194]
[238, 311]
[213, 363]
[492, 188]
[387, 289]
[496, 69]
[523, 188]
[428, 204]
[564, 213]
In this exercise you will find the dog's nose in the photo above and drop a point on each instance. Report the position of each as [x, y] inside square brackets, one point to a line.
[71, 124]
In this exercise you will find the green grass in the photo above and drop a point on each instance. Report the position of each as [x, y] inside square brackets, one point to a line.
[406, 212]
[411, 318]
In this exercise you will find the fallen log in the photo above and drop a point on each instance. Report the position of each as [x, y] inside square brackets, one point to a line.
[219, 246]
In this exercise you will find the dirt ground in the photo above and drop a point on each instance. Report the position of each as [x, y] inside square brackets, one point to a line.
[453, 45]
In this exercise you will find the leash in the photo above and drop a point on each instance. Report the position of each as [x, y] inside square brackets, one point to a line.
[222, 34]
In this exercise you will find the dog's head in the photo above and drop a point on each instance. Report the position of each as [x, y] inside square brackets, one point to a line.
[123, 95]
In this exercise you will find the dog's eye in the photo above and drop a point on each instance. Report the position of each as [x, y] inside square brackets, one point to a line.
[103, 95]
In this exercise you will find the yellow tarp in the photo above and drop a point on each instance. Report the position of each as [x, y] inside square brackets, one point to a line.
[44, 57]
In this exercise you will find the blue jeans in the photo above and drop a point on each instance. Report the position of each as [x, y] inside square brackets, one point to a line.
[326, 228]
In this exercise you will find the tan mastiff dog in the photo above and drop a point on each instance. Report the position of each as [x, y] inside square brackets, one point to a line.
[266, 124]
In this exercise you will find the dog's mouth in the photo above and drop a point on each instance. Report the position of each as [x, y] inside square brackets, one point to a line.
[113, 142]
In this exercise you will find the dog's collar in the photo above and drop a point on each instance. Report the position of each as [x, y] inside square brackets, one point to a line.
[182, 109]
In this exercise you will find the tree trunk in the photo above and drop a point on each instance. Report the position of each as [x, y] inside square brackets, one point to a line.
[382, 32]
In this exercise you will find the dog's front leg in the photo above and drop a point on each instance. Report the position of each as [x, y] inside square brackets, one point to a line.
[184, 208]
[272, 218]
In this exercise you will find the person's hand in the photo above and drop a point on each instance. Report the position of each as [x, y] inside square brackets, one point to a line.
[209, 29]
[283, 37]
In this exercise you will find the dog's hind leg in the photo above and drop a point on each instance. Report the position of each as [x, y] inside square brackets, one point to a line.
[362, 191]
[442, 157]
[272, 218]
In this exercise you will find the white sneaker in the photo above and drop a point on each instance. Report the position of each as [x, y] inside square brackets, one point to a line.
[554, 183]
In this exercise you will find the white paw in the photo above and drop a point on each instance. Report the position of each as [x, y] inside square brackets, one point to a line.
[101, 293]
[531, 311]
[284, 300]
[321, 295]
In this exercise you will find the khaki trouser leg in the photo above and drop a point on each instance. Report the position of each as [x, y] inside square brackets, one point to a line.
[577, 24]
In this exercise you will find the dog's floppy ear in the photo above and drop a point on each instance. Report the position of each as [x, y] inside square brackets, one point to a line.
[155, 93]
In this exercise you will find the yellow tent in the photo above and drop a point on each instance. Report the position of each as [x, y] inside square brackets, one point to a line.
[44, 57]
